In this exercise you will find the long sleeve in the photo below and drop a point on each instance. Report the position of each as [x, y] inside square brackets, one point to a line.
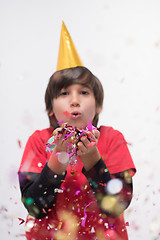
[39, 190]
[112, 202]
[39, 185]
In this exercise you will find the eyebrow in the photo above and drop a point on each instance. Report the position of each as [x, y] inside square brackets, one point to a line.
[82, 85]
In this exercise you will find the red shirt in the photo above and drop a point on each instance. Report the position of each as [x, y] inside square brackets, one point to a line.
[76, 214]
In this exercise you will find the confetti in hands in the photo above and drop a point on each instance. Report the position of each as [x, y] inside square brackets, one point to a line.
[75, 135]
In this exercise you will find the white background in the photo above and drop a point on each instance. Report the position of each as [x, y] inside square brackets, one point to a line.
[119, 41]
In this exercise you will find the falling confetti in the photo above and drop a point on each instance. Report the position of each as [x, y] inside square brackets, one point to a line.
[67, 114]
[114, 186]
[22, 221]
[127, 224]
[19, 143]
[85, 214]
[92, 230]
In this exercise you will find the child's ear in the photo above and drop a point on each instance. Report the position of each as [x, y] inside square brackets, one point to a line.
[50, 114]
[99, 110]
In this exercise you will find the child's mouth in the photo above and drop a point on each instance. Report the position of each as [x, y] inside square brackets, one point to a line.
[75, 115]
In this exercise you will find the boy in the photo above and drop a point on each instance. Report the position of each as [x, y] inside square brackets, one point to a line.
[83, 198]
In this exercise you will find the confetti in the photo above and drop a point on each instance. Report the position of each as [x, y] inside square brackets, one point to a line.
[56, 190]
[89, 126]
[67, 114]
[19, 143]
[29, 201]
[29, 225]
[127, 224]
[106, 225]
[39, 164]
[111, 226]
[60, 122]
[108, 203]
[92, 230]
[94, 184]
[114, 186]
[22, 221]
[77, 192]
[75, 135]
[85, 214]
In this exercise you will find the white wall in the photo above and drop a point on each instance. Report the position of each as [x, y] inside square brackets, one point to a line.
[119, 41]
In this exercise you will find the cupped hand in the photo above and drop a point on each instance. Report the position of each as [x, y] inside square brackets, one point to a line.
[88, 142]
[61, 142]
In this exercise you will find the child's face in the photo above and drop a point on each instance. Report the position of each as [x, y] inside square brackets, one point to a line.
[79, 101]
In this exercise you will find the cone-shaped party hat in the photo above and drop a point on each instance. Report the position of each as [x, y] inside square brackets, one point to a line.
[68, 56]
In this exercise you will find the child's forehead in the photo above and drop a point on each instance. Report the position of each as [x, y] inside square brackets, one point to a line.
[77, 86]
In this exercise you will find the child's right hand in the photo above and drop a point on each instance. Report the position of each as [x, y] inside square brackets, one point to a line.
[61, 144]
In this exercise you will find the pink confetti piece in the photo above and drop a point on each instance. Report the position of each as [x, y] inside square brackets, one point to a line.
[67, 114]
[77, 192]
[89, 126]
[44, 210]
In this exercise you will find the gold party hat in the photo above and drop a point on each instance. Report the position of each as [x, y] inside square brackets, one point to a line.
[68, 56]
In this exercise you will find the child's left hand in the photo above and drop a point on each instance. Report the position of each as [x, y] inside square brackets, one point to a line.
[87, 144]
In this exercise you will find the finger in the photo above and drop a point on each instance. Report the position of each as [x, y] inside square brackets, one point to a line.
[64, 138]
[79, 152]
[96, 133]
[90, 136]
[57, 132]
[92, 139]
[85, 141]
[81, 147]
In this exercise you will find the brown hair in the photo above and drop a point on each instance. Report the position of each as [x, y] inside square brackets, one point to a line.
[65, 78]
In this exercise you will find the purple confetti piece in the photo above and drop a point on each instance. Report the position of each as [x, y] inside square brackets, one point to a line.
[85, 215]
[60, 122]
[77, 192]
[89, 126]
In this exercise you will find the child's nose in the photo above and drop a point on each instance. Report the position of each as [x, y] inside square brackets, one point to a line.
[75, 104]
[75, 100]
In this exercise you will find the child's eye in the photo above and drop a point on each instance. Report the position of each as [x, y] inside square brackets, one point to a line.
[84, 92]
[64, 93]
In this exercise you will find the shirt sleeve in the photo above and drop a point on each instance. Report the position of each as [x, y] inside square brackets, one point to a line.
[39, 190]
[114, 151]
[38, 184]
[35, 156]
[98, 174]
